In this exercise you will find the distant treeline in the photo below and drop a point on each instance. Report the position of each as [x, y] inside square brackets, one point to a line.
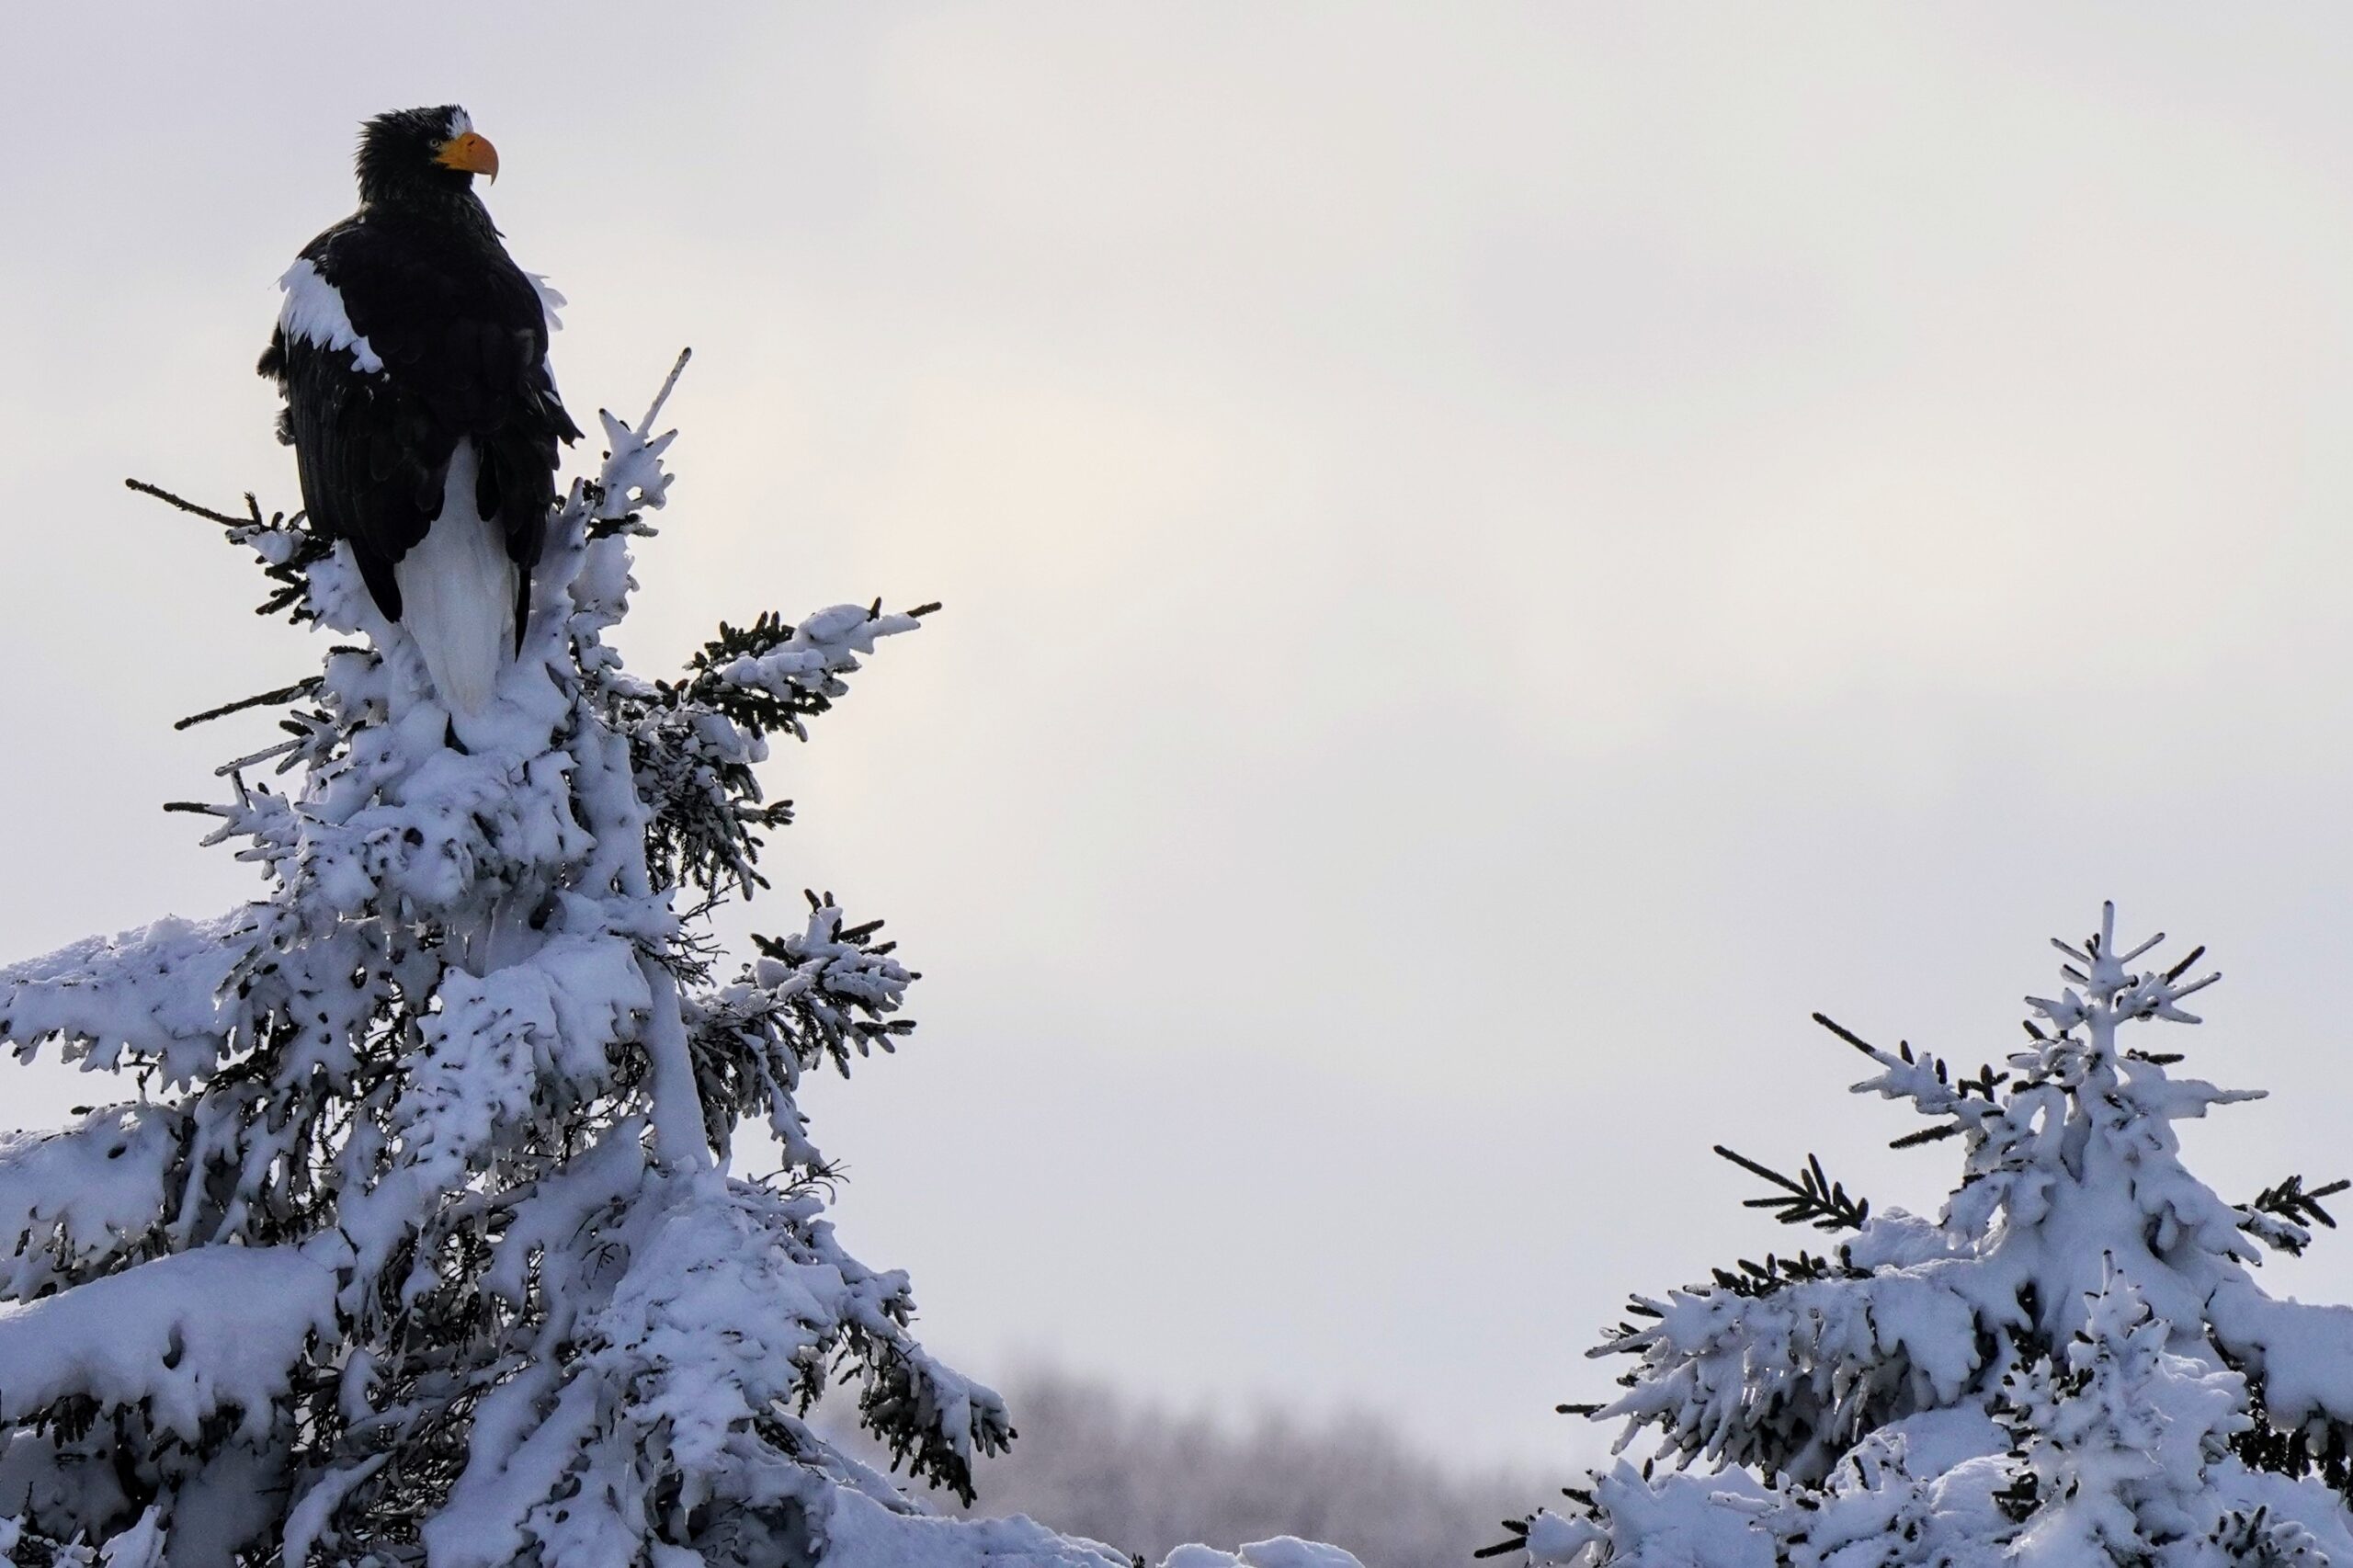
[1093, 1461]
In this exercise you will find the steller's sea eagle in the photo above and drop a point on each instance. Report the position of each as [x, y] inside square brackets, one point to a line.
[414, 356]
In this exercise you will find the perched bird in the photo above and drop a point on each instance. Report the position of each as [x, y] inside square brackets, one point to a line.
[413, 354]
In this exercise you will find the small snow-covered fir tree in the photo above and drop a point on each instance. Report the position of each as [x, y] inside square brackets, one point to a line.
[2071, 1366]
[411, 1240]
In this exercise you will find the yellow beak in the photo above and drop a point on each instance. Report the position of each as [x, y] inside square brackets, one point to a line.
[470, 153]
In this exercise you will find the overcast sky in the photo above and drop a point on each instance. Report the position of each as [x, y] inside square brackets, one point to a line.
[1496, 557]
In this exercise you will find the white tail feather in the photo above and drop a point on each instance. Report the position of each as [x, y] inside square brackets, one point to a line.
[458, 594]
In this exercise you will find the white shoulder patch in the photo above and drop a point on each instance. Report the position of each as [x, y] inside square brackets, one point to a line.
[313, 312]
[551, 299]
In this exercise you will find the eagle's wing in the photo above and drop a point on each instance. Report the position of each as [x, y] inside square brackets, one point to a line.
[391, 347]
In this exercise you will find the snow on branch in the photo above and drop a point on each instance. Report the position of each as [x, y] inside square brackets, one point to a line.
[770, 675]
[633, 478]
[2113, 994]
[154, 994]
[81, 1200]
[156, 1336]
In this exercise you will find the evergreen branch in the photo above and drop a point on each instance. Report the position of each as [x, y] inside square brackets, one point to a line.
[1812, 1199]
[301, 688]
[771, 704]
[2113, 994]
[1983, 1086]
[2263, 1445]
[2280, 1213]
[1849, 1036]
[1754, 1280]
[771, 676]
[1929, 1083]
[1516, 1539]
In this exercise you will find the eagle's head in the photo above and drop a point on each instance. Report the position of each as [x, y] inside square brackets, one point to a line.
[422, 152]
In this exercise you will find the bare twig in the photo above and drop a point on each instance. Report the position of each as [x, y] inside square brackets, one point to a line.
[283, 693]
[184, 504]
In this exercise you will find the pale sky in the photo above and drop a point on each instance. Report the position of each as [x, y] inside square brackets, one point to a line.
[1496, 557]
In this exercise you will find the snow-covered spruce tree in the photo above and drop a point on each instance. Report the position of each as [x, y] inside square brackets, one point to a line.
[2071, 1366]
[414, 1242]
